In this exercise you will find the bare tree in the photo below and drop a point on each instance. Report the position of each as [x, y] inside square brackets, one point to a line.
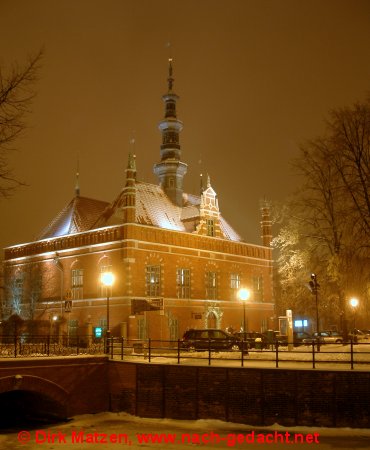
[16, 96]
[349, 151]
[326, 225]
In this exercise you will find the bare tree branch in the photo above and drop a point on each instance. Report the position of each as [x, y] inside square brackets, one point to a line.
[16, 97]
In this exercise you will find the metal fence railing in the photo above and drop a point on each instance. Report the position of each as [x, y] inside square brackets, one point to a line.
[350, 355]
[313, 355]
[13, 346]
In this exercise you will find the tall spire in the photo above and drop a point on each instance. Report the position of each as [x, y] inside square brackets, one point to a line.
[171, 169]
[129, 191]
[170, 78]
[77, 185]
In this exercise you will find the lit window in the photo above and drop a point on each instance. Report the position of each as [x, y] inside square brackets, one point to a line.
[211, 285]
[258, 288]
[72, 327]
[102, 323]
[153, 281]
[210, 227]
[234, 285]
[77, 283]
[183, 283]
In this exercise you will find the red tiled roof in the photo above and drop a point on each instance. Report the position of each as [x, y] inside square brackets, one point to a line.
[153, 208]
[79, 215]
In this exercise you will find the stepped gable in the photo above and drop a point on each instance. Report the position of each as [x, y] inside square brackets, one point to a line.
[154, 208]
[79, 215]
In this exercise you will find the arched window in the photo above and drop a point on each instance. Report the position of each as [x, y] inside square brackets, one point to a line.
[77, 282]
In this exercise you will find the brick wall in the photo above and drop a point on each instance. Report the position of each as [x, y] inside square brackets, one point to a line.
[242, 395]
[80, 385]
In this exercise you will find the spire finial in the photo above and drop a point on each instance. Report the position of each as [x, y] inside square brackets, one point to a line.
[131, 164]
[208, 181]
[77, 186]
[132, 142]
[170, 78]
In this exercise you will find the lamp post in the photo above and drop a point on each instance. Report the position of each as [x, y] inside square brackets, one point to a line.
[107, 279]
[354, 303]
[314, 286]
[244, 295]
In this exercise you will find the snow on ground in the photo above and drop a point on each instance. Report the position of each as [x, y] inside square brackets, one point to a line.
[94, 427]
[331, 356]
[105, 426]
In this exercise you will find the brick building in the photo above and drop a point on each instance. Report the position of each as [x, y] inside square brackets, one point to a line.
[177, 262]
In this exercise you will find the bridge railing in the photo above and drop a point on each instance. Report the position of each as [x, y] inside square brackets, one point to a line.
[343, 355]
[311, 355]
[13, 346]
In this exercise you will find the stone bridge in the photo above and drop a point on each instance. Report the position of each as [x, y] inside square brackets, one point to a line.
[60, 387]
[67, 386]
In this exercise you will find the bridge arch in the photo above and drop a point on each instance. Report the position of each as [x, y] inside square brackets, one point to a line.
[38, 387]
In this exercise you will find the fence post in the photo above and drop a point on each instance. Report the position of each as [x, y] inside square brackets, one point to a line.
[276, 353]
[149, 349]
[313, 353]
[242, 348]
[209, 352]
[111, 347]
[351, 353]
[122, 346]
[178, 351]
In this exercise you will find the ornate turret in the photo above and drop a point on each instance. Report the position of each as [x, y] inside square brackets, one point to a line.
[171, 169]
[129, 191]
[209, 213]
[266, 224]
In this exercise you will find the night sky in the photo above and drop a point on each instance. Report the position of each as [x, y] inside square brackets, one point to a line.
[255, 80]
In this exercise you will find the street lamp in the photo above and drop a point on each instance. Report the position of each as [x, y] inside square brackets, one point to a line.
[107, 279]
[354, 303]
[314, 286]
[244, 295]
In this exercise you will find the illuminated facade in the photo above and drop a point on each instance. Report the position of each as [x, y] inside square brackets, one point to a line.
[177, 262]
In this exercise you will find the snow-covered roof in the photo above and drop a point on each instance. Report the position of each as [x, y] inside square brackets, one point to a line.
[153, 208]
[79, 215]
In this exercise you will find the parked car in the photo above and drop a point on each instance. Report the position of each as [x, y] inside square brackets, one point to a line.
[252, 339]
[209, 338]
[358, 335]
[299, 337]
[325, 337]
[275, 336]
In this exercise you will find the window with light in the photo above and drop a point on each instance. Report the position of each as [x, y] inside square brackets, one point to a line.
[235, 285]
[183, 283]
[210, 227]
[258, 288]
[153, 281]
[77, 283]
[211, 285]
